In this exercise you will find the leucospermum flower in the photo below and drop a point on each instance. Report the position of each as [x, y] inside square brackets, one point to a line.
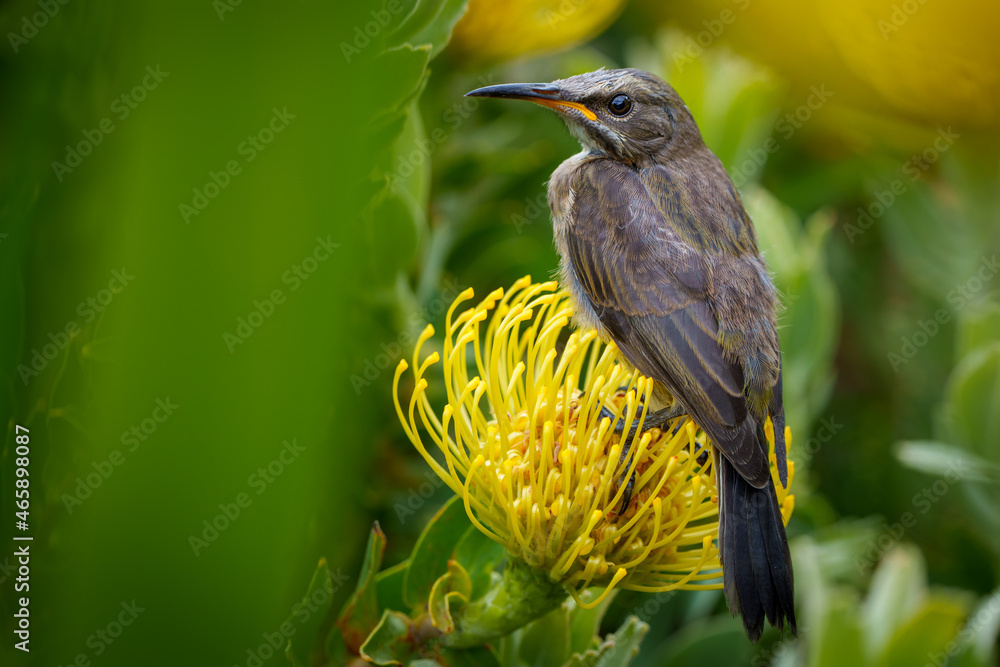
[522, 442]
[495, 31]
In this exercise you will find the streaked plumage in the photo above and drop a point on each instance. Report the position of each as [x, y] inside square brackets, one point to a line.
[661, 258]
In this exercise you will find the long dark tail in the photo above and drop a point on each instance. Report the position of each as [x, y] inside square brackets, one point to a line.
[756, 565]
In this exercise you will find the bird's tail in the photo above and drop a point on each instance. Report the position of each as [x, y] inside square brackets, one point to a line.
[756, 564]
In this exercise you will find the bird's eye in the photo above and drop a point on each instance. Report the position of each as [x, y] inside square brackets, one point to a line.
[620, 105]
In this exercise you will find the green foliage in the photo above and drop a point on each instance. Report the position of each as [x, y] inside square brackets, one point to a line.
[972, 397]
[734, 101]
[615, 649]
[430, 556]
[360, 614]
[709, 641]
[408, 614]
[430, 22]
[900, 622]
[481, 557]
[300, 649]
[810, 318]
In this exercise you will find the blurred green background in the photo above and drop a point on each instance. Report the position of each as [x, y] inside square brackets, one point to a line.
[221, 224]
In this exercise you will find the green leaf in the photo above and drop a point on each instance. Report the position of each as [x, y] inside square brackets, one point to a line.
[963, 200]
[430, 23]
[408, 65]
[480, 556]
[897, 591]
[507, 649]
[984, 503]
[936, 458]
[409, 169]
[924, 635]
[616, 650]
[939, 263]
[392, 228]
[336, 650]
[585, 623]
[786, 656]
[301, 644]
[438, 32]
[714, 641]
[408, 7]
[984, 624]
[839, 641]
[473, 657]
[733, 99]
[778, 230]
[392, 642]
[810, 318]
[433, 550]
[389, 583]
[977, 327]
[973, 402]
[360, 613]
[546, 641]
[420, 16]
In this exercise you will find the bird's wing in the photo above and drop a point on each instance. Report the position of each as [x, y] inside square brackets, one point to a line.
[651, 290]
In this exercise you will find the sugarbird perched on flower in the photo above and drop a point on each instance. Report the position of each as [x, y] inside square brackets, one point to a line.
[661, 258]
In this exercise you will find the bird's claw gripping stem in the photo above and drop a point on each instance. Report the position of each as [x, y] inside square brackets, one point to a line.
[655, 419]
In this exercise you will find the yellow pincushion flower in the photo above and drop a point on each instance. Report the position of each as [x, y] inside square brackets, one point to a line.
[494, 31]
[523, 443]
[909, 60]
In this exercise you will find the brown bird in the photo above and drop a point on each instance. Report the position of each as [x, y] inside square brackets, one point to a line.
[661, 258]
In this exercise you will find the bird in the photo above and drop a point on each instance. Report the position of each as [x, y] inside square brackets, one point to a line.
[661, 258]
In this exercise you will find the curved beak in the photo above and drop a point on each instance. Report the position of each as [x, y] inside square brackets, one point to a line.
[546, 94]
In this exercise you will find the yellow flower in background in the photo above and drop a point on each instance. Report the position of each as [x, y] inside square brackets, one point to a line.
[938, 62]
[494, 31]
[523, 444]
[920, 60]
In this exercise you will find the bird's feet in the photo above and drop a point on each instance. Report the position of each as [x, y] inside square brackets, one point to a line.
[656, 419]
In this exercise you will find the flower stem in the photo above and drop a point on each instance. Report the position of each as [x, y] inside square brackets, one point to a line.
[520, 596]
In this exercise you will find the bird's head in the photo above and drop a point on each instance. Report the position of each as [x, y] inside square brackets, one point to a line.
[627, 114]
